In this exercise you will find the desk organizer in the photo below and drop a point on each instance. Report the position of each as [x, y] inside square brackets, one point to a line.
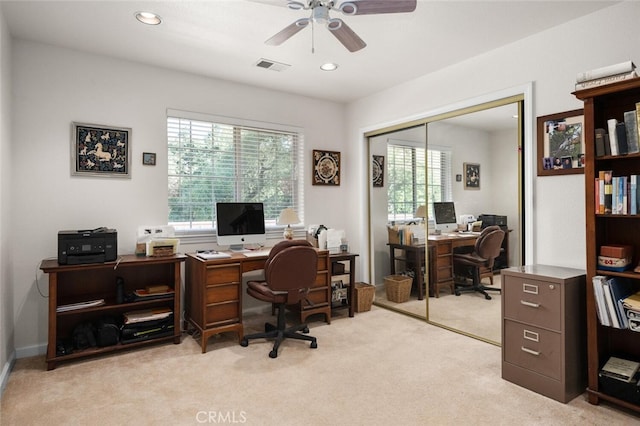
[398, 288]
[364, 297]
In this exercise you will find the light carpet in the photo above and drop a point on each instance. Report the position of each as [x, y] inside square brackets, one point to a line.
[379, 368]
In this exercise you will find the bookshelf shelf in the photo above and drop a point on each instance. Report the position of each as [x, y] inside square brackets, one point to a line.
[600, 104]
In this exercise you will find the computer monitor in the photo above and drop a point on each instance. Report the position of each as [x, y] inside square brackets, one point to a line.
[240, 223]
[445, 216]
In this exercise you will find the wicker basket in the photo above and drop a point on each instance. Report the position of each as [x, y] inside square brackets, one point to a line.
[364, 297]
[398, 288]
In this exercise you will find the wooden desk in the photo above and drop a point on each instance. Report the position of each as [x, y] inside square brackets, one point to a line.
[213, 293]
[440, 263]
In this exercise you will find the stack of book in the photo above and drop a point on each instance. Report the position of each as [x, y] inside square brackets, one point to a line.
[616, 194]
[615, 257]
[610, 294]
[606, 75]
[146, 324]
[620, 369]
[631, 305]
[621, 135]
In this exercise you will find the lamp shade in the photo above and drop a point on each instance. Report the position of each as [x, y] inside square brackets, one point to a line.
[288, 217]
[421, 212]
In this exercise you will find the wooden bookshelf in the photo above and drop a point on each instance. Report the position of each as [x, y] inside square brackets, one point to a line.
[600, 104]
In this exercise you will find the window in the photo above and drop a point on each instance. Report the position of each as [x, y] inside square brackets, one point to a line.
[415, 180]
[215, 159]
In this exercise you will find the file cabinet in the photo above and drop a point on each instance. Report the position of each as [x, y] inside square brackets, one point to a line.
[544, 330]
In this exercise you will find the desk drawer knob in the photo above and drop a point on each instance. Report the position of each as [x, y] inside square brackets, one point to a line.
[529, 304]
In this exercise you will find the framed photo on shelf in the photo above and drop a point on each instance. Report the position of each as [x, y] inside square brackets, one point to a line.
[561, 143]
[326, 168]
[471, 176]
[378, 171]
[102, 151]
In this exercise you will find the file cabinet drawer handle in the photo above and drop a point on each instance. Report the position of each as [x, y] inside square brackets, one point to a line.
[529, 351]
[529, 304]
[529, 288]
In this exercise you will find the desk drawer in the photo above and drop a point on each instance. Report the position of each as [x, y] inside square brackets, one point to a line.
[533, 301]
[222, 313]
[533, 348]
[220, 274]
[222, 293]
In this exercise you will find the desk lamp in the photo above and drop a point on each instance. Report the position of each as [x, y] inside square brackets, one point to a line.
[421, 212]
[288, 217]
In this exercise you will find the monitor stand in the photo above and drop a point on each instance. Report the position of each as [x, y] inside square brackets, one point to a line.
[238, 248]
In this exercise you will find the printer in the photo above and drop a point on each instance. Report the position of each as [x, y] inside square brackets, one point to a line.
[87, 246]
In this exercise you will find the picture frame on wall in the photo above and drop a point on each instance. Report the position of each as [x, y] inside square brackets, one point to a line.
[326, 168]
[378, 171]
[561, 143]
[471, 175]
[100, 151]
[149, 158]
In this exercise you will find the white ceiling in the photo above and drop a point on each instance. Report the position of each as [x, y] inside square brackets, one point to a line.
[225, 38]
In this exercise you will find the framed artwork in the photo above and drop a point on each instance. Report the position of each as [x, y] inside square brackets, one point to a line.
[102, 151]
[378, 171]
[471, 176]
[326, 168]
[561, 143]
[149, 158]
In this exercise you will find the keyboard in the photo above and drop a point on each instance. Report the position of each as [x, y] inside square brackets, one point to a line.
[217, 255]
[257, 253]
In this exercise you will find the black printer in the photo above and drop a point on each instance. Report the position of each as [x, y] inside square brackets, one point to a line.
[87, 246]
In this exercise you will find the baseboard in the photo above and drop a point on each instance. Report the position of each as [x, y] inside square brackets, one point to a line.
[29, 351]
[6, 370]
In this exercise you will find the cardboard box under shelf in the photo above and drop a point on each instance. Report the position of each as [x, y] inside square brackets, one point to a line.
[364, 297]
[398, 288]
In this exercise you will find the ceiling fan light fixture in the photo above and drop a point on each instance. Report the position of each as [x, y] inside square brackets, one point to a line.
[295, 5]
[329, 66]
[320, 15]
[348, 8]
[148, 18]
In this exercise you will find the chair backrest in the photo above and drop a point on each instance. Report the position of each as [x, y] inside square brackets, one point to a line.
[490, 245]
[292, 268]
[483, 234]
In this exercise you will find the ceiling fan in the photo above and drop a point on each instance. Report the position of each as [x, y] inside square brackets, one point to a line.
[320, 15]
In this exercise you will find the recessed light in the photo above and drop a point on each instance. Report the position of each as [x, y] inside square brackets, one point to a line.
[329, 66]
[148, 18]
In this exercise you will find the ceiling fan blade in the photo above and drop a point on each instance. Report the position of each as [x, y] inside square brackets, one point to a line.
[288, 32]
[371, 7]
[346, 35]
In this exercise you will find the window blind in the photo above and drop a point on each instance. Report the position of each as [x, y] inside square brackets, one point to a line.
[213, 159]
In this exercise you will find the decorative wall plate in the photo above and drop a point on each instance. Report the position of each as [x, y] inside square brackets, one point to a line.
[378, 171]
[326, 168]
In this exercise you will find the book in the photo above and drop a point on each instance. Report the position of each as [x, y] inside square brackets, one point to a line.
[632, 302]
[80, 305]
[133, 317]
[621, 136]
[633, 194]
[608, 191]
[601, 307]
[597, 82]
[613, 141]
[616, 250]
[599, 140]
[631, 124]
[610, 304]
[621, 369]
[621, 68]
[620, 289]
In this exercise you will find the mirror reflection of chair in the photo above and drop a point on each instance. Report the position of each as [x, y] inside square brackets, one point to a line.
[478, 263]
[290, 271]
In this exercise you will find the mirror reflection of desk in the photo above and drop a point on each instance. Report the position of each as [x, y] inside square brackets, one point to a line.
[441, 249]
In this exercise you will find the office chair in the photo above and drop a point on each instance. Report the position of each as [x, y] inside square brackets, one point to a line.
[290, 270]
[486, 249]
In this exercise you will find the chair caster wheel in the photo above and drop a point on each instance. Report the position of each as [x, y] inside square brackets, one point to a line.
[313, 345]
[487, 297]
[457, 293]
[273, 354]
[305, 330]
[244, 343]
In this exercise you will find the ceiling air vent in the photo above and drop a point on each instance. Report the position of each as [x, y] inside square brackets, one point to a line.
[271, 65]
